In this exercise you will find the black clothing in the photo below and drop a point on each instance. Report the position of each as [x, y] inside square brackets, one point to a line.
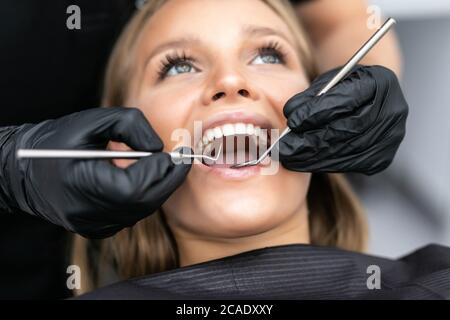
[295, 272]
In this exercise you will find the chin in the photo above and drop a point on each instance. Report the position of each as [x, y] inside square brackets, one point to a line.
[247, 217]
[233, 213]
[211, 206]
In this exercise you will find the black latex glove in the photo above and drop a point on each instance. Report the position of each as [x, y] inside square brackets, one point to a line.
[93, 198]
[357, 126]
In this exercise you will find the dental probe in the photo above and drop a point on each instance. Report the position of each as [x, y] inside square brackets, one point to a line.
[102, 154]
[338, 77]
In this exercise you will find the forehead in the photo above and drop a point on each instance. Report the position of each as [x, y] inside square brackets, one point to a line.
[212, 21]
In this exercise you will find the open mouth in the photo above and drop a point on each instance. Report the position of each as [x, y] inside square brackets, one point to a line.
[240, 142]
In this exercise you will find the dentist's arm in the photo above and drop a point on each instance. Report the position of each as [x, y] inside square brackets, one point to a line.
[339, 28]
[91, 197]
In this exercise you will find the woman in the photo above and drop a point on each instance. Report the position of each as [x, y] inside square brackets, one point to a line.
[63, 201]
[234, 74]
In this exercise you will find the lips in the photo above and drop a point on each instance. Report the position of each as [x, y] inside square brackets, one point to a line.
[243, 136]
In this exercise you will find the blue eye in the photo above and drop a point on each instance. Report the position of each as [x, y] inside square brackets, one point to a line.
[181, 67]
[174, 65]
[267, 59]
[270, 54]
[177, 64]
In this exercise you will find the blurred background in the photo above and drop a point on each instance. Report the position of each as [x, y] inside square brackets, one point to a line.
[409, 204]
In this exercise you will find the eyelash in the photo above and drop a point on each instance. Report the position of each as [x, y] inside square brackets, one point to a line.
[272, 47]
[172, 60]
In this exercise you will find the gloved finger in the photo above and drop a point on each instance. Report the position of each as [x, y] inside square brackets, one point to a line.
[313, 90]
[388, 89]
[337, 139]
[343, 101]
[319, 145]
[151, 191]
[372, 122]
[302, 97]
[294, 147]
[127, 125]
[98, 231]
[368, 161]
[311, 153]
[363, 122]
[172, 178]
[321, 150]
[138, 184]
[102, 180]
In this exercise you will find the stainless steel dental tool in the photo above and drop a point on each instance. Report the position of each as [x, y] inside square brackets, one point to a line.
[338, 77]
[104, 154]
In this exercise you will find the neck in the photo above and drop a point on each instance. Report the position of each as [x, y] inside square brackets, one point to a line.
[195, 249]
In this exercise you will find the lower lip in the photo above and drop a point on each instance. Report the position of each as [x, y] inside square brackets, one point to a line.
[231, 174]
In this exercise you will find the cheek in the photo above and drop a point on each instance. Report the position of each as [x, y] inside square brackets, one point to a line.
[279, 90]
[168, 114]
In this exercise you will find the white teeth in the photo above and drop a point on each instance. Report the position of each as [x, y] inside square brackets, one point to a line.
[217, 133]
[262, 133]
[263, 138]
[209, 134]
[250, 128]
[240, 128]
[230, 129]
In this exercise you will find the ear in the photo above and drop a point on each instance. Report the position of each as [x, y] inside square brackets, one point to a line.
[120, 146]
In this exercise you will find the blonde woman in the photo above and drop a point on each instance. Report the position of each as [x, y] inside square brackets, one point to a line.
[226, 232]
[70, 62]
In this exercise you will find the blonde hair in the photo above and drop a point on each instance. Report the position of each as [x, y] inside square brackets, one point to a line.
[335, 216]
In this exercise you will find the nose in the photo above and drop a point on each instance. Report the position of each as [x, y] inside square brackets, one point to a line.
[229, 86]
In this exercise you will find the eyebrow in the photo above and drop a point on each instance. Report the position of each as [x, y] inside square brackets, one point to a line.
[248, 30]
[178, 43]
[252, 30]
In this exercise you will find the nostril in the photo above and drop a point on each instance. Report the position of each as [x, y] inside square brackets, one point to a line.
[244, 93]
[217, 96]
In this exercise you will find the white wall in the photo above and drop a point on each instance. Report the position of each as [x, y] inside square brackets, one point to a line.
[413, 8]
[399, 222]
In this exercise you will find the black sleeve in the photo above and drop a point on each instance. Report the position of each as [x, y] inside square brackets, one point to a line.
[5, 198]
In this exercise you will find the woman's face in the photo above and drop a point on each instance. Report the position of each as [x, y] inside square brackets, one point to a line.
[221, 63]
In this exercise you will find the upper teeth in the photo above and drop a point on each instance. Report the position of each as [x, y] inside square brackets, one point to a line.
[230, 129]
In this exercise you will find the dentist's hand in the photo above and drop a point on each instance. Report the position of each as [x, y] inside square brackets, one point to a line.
[91, 197]
[357, 126]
